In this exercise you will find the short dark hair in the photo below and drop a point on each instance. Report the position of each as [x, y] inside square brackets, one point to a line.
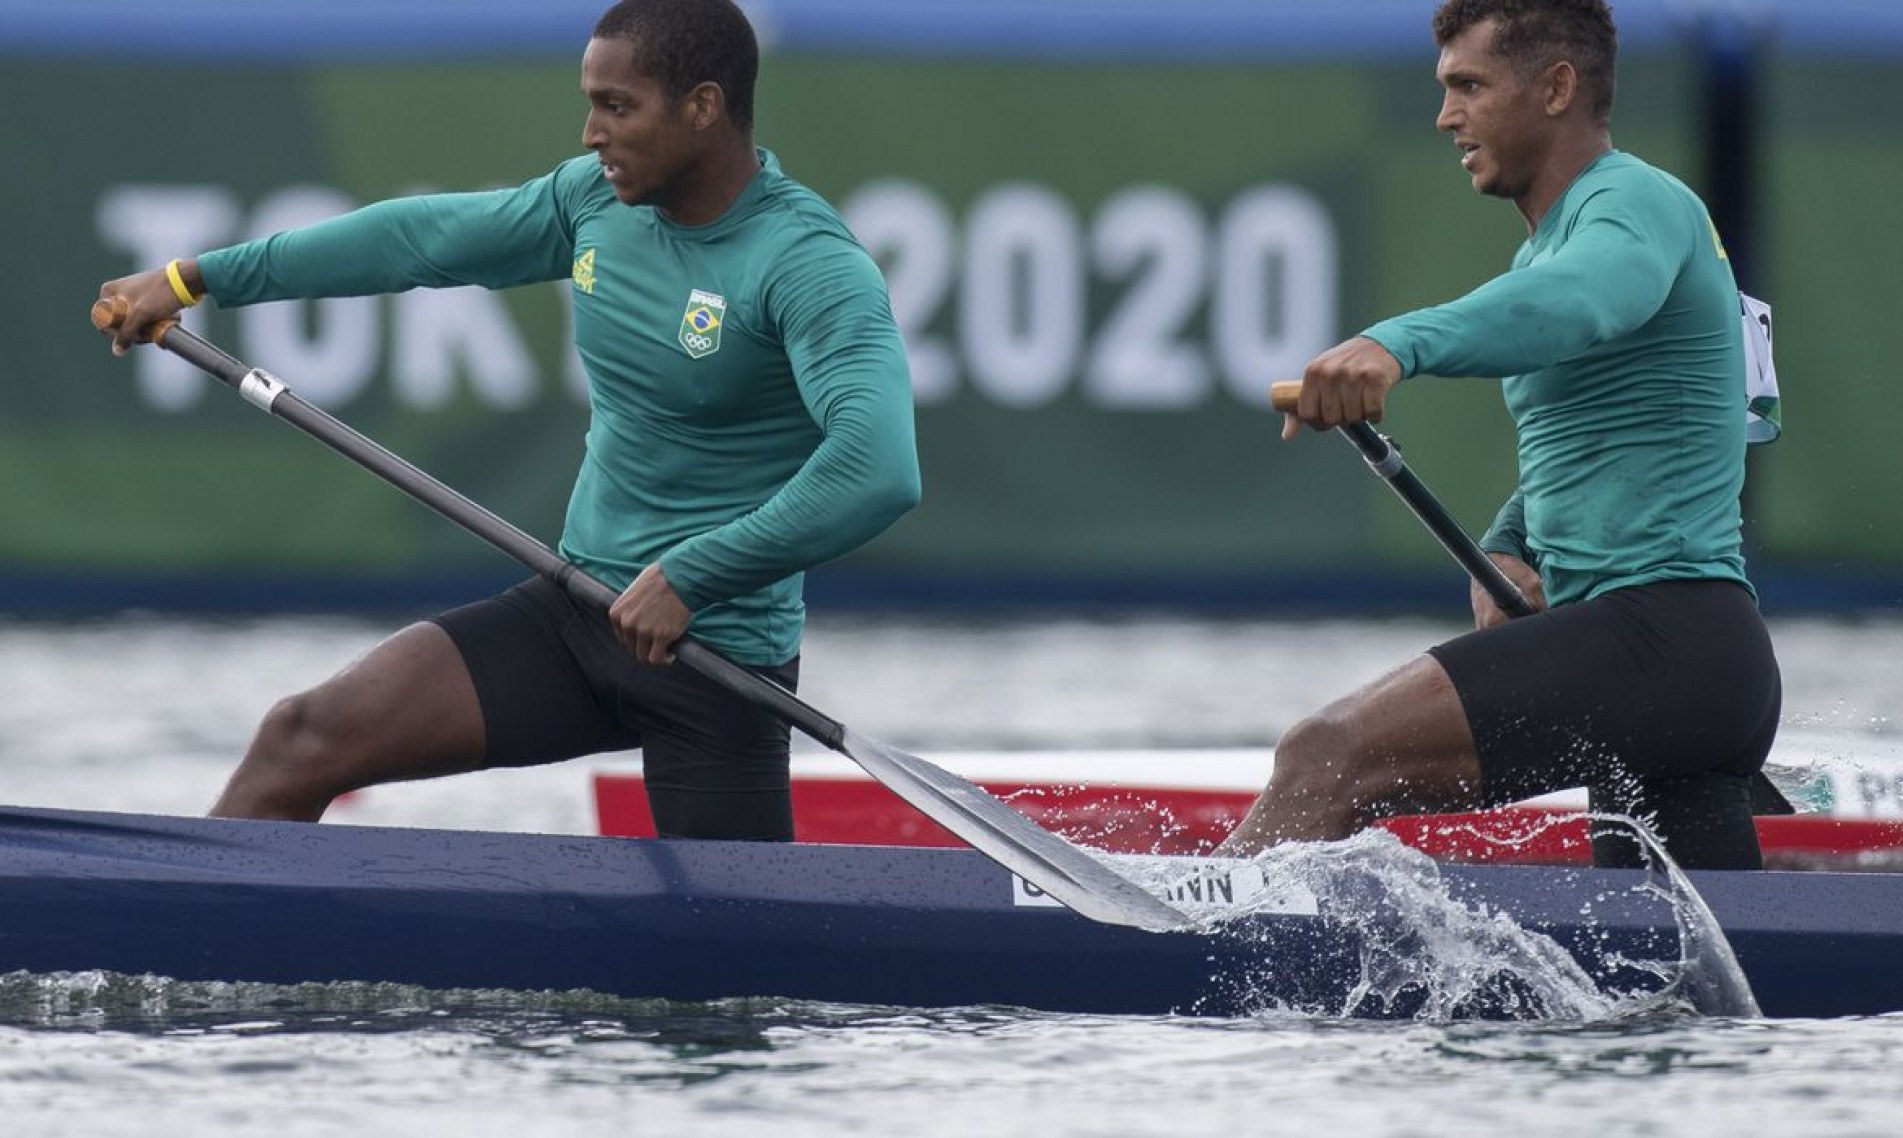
[684, 43]
[1533, 35]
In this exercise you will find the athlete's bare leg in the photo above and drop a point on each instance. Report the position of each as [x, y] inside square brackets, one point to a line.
[406, 710]
[1400, 745]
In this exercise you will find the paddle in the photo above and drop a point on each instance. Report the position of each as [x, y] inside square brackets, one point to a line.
[1043, 859]
[1384, 458]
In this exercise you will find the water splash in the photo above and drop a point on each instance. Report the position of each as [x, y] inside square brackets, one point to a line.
[1709, 977]
[1423, 953]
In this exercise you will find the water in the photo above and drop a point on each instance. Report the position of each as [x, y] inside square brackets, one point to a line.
[148, 715]
[478, 1070]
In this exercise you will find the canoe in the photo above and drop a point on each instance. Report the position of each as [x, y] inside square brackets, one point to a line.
[203, 899]
[1184, 802]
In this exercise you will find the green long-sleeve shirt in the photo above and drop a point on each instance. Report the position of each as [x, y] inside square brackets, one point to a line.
[750, 406]
[1617, 334]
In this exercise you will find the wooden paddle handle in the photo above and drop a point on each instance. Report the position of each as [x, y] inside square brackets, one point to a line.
[110, 311]
[1284, 394]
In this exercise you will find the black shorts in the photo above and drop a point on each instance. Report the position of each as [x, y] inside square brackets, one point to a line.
[1661, 699]
[554, 683]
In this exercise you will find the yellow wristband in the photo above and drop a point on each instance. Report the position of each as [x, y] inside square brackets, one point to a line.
[179, 290]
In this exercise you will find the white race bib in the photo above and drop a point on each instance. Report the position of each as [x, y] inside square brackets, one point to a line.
[1763, 417]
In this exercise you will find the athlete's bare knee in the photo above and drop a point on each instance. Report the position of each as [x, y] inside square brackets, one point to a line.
[1317, 769]
[295, 729]
[302, 749]
[1345, 778]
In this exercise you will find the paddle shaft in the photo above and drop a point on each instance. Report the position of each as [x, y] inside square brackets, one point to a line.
[269, 394]
[1042, 859]
[1384, 458]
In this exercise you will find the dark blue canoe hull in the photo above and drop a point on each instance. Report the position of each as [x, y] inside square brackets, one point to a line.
[198, 899]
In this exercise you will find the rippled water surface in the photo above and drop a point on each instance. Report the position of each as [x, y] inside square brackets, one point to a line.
[148, 715]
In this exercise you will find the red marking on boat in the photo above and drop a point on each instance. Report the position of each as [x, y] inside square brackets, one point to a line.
[1191, 820]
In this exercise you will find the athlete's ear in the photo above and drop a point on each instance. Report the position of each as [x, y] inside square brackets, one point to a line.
[705, 105]
[1559, 86]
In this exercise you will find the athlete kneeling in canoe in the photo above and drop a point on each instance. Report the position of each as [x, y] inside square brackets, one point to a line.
[750, 417]
[1647, 675]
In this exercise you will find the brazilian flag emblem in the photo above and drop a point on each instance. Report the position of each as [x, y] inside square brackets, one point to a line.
[700, 324]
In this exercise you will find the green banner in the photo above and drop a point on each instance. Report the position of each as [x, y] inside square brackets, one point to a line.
[1099, 270]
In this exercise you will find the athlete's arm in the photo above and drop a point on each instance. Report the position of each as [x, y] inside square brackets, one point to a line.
[1507, 534]
[495, 238]
[1505, 543]
[844, 348]
[1608, 278]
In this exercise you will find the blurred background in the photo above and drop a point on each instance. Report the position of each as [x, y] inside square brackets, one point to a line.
[1107, 226]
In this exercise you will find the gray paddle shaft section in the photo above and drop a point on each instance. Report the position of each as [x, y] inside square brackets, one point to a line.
[1065, 872]
[1384, 458]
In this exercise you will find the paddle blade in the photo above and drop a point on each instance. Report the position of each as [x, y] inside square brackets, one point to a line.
[1082, 883]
